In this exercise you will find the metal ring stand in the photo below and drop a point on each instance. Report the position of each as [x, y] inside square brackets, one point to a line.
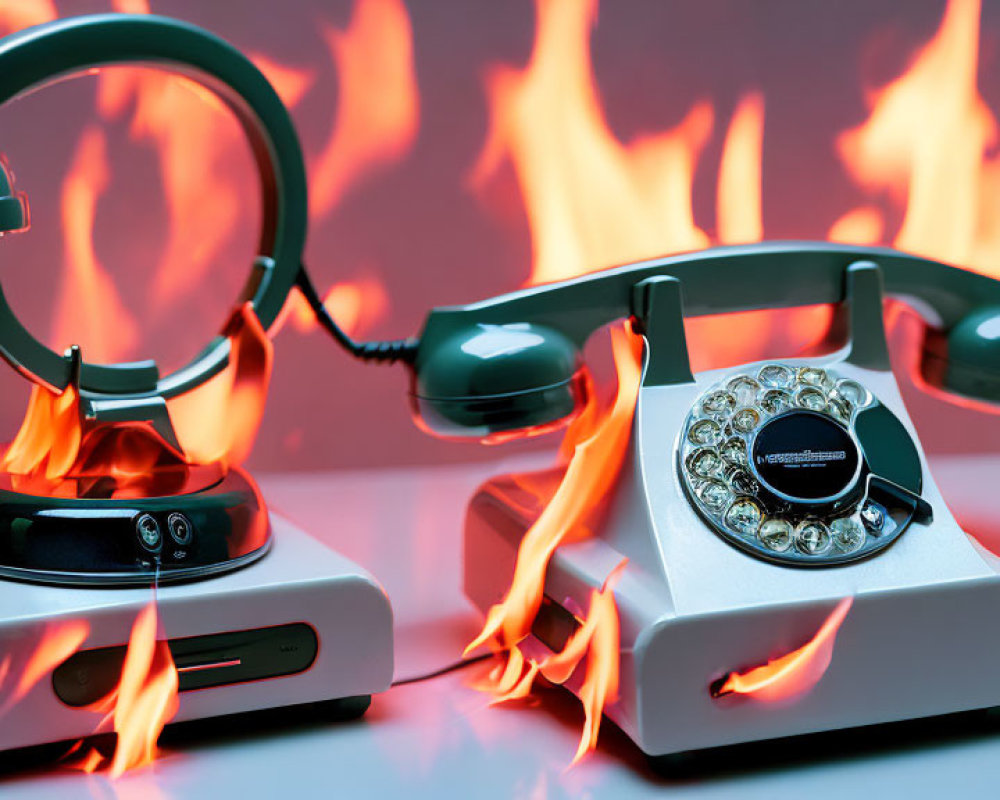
[222, 524]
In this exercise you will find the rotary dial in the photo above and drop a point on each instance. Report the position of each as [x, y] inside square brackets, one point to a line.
[799, 465]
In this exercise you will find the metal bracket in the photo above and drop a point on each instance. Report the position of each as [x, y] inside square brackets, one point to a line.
[863, 293]
[152, 409]
[658, 306]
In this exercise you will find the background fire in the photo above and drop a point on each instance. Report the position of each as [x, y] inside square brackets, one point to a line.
[456, 152]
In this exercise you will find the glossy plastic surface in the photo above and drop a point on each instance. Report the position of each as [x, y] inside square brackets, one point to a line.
[732, 279]
[970, 358]
[489, 378]
[120, 541]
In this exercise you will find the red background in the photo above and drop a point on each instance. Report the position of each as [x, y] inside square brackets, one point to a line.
[417, 228]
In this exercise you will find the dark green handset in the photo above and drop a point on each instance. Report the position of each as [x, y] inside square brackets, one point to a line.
[514, 362]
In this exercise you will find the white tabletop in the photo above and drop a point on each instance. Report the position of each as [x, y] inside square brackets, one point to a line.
[439, 738]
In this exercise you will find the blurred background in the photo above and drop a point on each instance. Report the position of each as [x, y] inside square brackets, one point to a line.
[462, 149]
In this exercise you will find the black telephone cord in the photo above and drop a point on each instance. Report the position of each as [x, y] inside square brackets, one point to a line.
[386, 351]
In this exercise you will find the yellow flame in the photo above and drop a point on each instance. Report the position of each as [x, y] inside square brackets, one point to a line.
[378, 111]
[925, 144]
[147, 695]
[590, 200]
[740, 184]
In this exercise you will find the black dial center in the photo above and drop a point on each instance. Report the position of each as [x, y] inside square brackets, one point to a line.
[806, 457]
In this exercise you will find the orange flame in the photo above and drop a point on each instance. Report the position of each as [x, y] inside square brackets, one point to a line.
[597, 638]
[740, 183]
[591, 201]
[123, 460]
[48, 441]
[925, 145]
[289, 82]
[594, 202]
[25, 13]
[217, 422]
[598, 447]
[55, 454]
[147, 695]
[194, 138]
[144, 701]
[356, 306]
[58, 642]
[88, 309]
[792, 674]
[863, 225]
[378, 110]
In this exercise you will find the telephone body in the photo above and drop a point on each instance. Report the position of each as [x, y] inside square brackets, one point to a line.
[753, 498]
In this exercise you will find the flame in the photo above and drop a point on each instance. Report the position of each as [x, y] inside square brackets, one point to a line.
[590, 200]
[598, 447]
[217, 422]
[194, 138]
[792, 674]
[48, 442]
[124, 460]
[88, 309]
[356, 306]
[593, 201]
[740, 183]
[191, 138]
[378, 109]
[58, 642]
[130, 6]
[56, 454]
[144, 701]
[862, 225]
[147, 695]
[24, 13]
[925, 146]
[290, 83]
[597, 638]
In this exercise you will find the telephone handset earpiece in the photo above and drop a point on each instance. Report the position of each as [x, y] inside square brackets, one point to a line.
[964, 359]
[487, 380]
[513, 364]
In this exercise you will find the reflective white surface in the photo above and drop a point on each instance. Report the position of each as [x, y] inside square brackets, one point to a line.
[440, 738]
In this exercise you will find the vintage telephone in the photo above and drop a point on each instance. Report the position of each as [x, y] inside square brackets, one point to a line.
[754, 498]
[514, 364]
